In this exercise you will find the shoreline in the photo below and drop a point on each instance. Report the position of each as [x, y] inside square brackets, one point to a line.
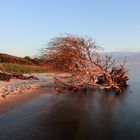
[24, 91]
[15, 100]
[18, 86]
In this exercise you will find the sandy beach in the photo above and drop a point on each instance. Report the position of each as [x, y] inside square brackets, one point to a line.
[18, 86]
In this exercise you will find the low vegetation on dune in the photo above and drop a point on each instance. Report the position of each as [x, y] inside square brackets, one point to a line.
[80, 58]
[10, 70]
[7, 58]
[10, 64]
[19, 68]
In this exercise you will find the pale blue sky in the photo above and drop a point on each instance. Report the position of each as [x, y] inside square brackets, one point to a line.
[27, 25]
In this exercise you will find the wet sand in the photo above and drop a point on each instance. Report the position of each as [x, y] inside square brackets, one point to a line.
[15, 100]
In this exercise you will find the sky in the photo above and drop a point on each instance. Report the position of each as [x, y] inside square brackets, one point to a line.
[26, 26]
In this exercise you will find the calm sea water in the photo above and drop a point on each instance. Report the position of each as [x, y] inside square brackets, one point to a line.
[87, 115]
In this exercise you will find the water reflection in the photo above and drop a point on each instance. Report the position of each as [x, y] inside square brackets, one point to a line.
[83, 115]
[77, 116]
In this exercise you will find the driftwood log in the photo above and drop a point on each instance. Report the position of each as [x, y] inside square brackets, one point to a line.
[4, 76]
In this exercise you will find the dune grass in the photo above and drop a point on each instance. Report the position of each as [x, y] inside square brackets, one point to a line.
[18, 68]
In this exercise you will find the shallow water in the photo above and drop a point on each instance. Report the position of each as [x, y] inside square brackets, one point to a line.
[89, 115]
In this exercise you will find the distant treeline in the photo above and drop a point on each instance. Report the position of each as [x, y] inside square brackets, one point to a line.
[6, 58]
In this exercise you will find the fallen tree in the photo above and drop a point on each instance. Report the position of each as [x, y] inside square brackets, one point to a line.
[86, 67]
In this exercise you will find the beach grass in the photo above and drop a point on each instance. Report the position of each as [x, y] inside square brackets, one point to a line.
[19, 68]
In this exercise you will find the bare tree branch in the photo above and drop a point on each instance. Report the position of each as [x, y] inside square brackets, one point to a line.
[87, 68]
